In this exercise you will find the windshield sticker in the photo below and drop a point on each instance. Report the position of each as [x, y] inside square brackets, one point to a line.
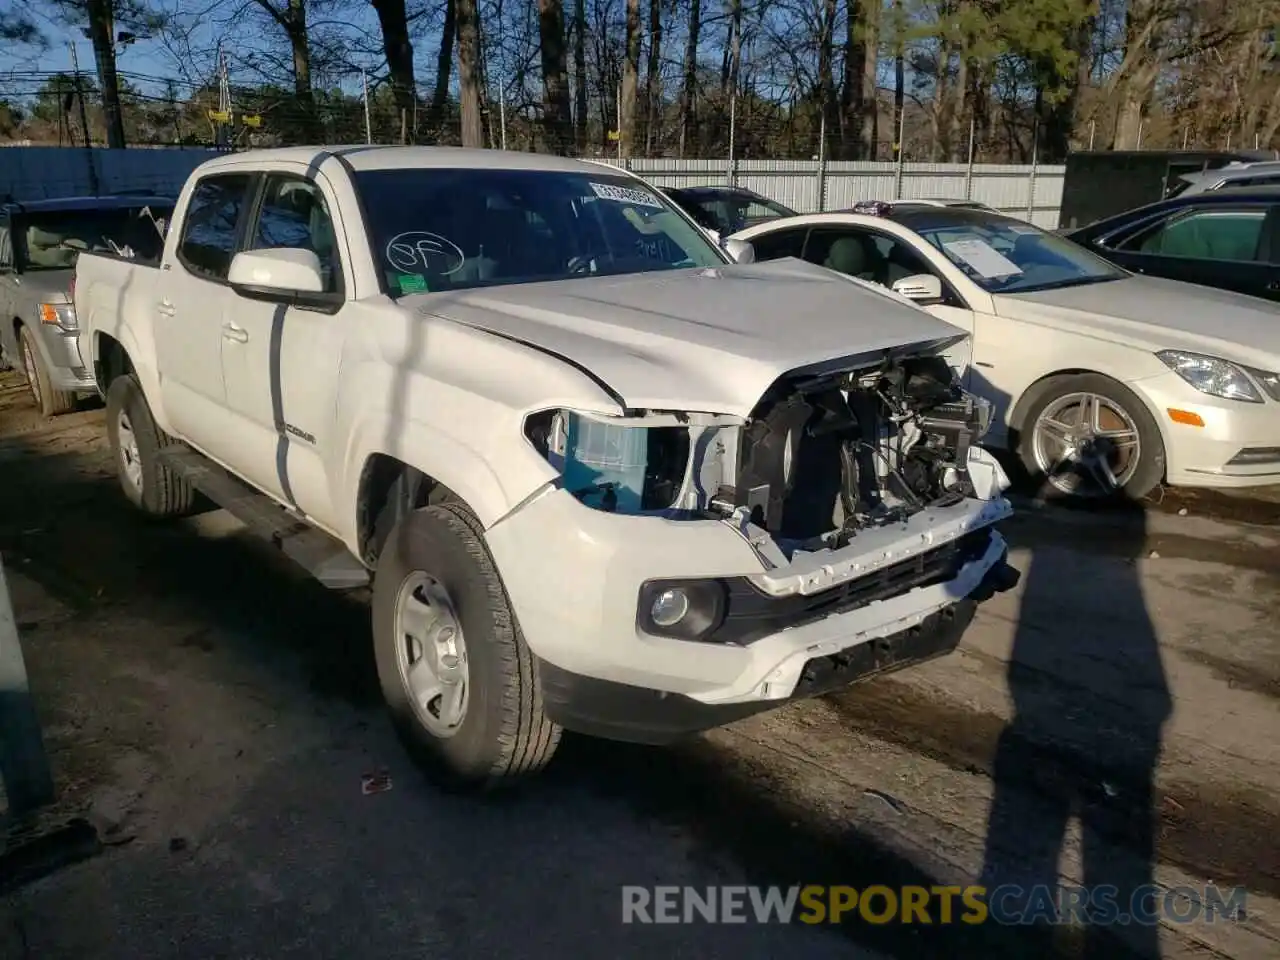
[639, 198]
[412, 283]
[416, 251]
[984, 259]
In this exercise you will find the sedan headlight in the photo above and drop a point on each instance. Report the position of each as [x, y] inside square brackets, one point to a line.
[1212, 375]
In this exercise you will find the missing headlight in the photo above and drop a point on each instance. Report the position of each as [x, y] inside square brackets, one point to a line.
[618, 466]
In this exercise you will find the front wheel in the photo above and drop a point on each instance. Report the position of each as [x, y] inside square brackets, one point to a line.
[1090, 438]
[459, 680]
[51, 402]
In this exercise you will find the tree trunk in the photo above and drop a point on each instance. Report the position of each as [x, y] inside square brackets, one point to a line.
[292, 19]
[826, 77]
[444, 67]
[394, 22]
[855, 62]
[1135, 79]
[556, 120]
[870, 74]
[899, 80]
[630, 81]
[102, 33]
[580, 72]
[653, 78]
[468, 27]
[690, 72]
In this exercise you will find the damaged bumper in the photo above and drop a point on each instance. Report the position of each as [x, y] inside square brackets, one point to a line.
[579, 579]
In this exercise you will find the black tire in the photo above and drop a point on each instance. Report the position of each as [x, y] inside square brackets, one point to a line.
[162, 492]
[1150, 469]
[504, 735]
[51, 402]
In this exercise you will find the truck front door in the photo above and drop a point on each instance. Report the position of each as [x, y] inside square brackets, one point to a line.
[191, 312]
[281, 371]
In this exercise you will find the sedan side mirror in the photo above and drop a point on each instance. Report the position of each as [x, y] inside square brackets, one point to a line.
[920, 287]
[289, 275]
[740, 251]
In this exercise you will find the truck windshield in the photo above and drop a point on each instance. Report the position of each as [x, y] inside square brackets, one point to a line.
[444, 229]
[51, 240]
[1003, 255]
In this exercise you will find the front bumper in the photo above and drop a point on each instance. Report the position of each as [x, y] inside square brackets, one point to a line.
[60, 352]
[1237, 446]
[617, 711]
[574, 574]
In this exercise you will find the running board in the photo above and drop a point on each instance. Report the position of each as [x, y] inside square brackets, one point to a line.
[319, 554]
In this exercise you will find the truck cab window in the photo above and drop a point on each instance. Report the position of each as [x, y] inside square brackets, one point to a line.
[209, 227]
[294, 214]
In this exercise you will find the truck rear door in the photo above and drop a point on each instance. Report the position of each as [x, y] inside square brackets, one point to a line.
[193, 309]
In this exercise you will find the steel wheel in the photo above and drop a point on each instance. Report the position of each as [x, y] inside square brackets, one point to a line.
[431, 654]
[29, 368]
[1086, 445]
[130, 456]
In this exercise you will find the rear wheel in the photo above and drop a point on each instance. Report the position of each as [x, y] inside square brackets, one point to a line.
[1090, 438]
[50, 401]
[136, 443]
[460, 682]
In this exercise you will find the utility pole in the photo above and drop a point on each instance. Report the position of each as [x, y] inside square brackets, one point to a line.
[84, 120]
[368, 129]
[224, 100]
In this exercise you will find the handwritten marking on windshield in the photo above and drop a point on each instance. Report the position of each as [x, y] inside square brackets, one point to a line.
[417, 250]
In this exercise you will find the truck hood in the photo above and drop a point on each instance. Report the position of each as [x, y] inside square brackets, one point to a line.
[706, 339]
[1154, 314]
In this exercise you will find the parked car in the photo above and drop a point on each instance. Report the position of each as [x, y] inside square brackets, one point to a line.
[487, 382]
[1228, 238]
[723, 210]
[1258, 173]
[39, 243]
[936, 202]
[1103, 381]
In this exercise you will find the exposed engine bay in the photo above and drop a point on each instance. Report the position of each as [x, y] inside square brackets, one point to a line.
[820, 459]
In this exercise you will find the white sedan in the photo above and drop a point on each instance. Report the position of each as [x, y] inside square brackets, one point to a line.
[1103, 381]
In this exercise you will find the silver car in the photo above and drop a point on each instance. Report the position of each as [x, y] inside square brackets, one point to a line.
[39, 243]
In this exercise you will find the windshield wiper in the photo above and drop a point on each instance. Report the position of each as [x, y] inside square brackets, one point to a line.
[1061, 284]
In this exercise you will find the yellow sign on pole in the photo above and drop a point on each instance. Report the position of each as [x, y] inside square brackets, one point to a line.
[613, 135]
[251, 120]
[220, 116]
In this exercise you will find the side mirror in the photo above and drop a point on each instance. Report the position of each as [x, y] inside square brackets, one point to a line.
[283, 274]
[920, 287]
[740, 250]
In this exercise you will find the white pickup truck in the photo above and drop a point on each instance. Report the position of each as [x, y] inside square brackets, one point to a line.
[600, 477]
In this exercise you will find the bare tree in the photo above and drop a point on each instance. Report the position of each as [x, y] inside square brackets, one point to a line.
[394, 21]
[556, 119]
[580, 73]
[630, 81]
[469, 82]
[688, 87]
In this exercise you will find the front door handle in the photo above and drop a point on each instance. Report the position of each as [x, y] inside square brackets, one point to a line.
[231, 331]
[1273, 286]
[167, 309]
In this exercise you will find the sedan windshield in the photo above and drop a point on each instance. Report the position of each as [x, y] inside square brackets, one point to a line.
[1004, 255]
[728, 211]
[443, 229]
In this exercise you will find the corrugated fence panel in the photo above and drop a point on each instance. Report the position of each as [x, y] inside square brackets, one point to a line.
[34, 173]
[800, 183]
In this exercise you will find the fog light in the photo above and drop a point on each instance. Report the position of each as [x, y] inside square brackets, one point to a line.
[669, 607]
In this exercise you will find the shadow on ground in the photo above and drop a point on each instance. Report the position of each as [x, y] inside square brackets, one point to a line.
[520, 857]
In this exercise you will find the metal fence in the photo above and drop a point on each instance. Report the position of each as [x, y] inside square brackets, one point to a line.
[1029, 191]
[808, 186]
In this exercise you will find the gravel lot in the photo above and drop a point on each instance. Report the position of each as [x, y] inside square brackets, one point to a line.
[212, 711]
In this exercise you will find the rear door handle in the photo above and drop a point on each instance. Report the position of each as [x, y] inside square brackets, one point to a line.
[167, 309]
[232, 332]
[1273, 286]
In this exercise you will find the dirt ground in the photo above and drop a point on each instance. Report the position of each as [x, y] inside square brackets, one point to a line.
[212, 712]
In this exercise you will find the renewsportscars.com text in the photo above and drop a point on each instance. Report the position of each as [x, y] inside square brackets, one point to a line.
[1008, 905]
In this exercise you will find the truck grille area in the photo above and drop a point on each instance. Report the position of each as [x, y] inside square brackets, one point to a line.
[752, 614]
